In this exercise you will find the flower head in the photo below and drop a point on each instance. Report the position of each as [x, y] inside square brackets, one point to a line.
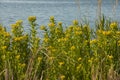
[19, 22]
[61, 63]
[4, 47]
[113, 25]
[79, 59]
[32, 18]
[62, 77]
[51, 25]
[110, 56]
[75, 22]
[17, 57]
[72, 48]
[93, 41]
[39, 58]
[42, 27]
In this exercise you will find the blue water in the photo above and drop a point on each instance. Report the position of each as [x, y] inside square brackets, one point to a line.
[64, 11]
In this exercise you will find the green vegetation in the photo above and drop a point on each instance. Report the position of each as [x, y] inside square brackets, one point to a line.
[73, 53]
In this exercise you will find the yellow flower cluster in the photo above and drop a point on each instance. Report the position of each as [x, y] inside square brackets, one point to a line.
[90, 60]
[57, 30]
[60, 23]
[72, 48]
[51, 17]
[62, 39]
[22, 65]
[94, 41]
[110, 56]
[45, 40]
[62, 77]
[78, 67]
[19, 22]
[14, 26]
[20, 38]
[61, 63]
[3, 47]
[51, 25]
[119, 43]
[17, 57]
[42, 27]
[113, 25]
[39, 59]
[52, 49]
[79, 59]
[78, 33]
[32, 18]
[118, 33]
[6, 34]
[107, 33]
[75, 22]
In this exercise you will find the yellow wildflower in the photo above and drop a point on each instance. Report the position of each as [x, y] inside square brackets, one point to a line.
[90, 61]
[1, 28]
[78, 67]
[99, 31]
[60, 23]
[79, 59]
[17, 57]
[67, 35]
[32, 18]
[75, 22]
[4, 47]
[6, 34]
[45, 40]
[110, 56]
[62, 77]
[65, 39]
[39, 58]
[61, 63]
[19, 38]
[86, 27]
[78, 32]
[57, 30]
[59, 40]
[118, 32]
[107, 33]
[14, 26]
[51, 17]
[19, 22]
[72, 48]
[113, 25]
[119, 43]
[93, 41]
[51, 25]
[77, 28]
[42, 27]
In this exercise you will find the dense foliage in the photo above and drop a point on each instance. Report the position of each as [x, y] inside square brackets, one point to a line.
[73, 53]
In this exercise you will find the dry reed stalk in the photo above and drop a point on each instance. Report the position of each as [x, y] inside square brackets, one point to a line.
[99, 8]
[114, 8]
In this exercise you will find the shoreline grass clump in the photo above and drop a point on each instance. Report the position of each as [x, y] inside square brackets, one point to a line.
[72, 53]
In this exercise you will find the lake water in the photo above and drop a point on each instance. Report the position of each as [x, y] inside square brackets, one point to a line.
[64, 11]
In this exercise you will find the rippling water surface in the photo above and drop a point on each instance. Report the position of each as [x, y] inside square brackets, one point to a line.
[64, 11]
